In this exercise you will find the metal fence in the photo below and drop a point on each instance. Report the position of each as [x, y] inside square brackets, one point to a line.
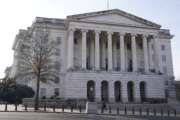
[124, 109]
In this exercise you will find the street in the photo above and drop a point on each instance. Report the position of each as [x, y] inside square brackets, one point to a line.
[70, 116]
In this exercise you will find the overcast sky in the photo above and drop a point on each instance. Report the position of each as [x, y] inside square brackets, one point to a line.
[19, 14]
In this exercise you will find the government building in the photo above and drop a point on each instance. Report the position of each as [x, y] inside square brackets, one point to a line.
[110, 56]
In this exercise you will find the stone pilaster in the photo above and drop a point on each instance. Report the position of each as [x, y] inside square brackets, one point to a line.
[124, 92]
[110, 50]
[98, 91]
[158, 64]
[134, 53]
[145, 49]
[137, 92]
[111, 92]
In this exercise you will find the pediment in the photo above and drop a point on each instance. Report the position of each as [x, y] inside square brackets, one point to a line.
[114, 17]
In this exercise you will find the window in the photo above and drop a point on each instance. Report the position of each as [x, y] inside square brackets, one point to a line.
[163, 58]
[163, 47]
[56, 91]
[58, 40]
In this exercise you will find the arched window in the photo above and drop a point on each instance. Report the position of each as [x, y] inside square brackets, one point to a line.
[90, 90]
[117, 91]
[130, 88]
[104, 91]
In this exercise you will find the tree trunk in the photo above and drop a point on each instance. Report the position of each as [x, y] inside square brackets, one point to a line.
[36, 105]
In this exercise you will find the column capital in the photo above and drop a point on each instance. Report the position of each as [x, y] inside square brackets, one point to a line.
[145, 35]
[72, 29]
[110, 32]
[122, 33]
[133, 34]
[97, 31]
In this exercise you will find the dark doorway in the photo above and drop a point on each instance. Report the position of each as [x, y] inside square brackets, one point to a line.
[91, 91]
[143, 91]
[117, 91]
[104, 91]
[130, 87]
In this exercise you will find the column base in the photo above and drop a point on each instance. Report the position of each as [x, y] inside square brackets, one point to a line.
[125, 100]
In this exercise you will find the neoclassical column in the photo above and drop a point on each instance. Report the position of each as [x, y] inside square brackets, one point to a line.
[134, 53]
[158, 64]
[84, 50]
[92, 52]
[110, 50]
[114, 54]
[103, 54]
[122, 54]
[145, 51]
[70, 60]
[97, 50]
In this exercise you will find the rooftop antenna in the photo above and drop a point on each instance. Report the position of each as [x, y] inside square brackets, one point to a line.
[108, 4]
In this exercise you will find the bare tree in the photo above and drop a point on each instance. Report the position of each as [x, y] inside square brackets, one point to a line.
[37, 60]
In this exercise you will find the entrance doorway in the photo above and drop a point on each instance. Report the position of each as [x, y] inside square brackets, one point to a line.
[104, 91]
[117, 91]
[130, 87]
[91, 91]
[143, 91]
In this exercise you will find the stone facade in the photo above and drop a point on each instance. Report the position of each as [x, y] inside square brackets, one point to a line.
[108, 56]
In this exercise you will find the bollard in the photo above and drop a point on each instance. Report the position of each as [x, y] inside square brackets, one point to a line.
[140, 111]
[44, 106]
[118, 110]
[168, 112]
[154, 110]
[62, 108]
[54, 108]
[71, 108]
[5, 107]
[109, 110]
[132, 110]
[25, 107]
[80, 109]
[125, 111]
[15, 106]
[175, 112]
[161, 112]
[147, 111]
